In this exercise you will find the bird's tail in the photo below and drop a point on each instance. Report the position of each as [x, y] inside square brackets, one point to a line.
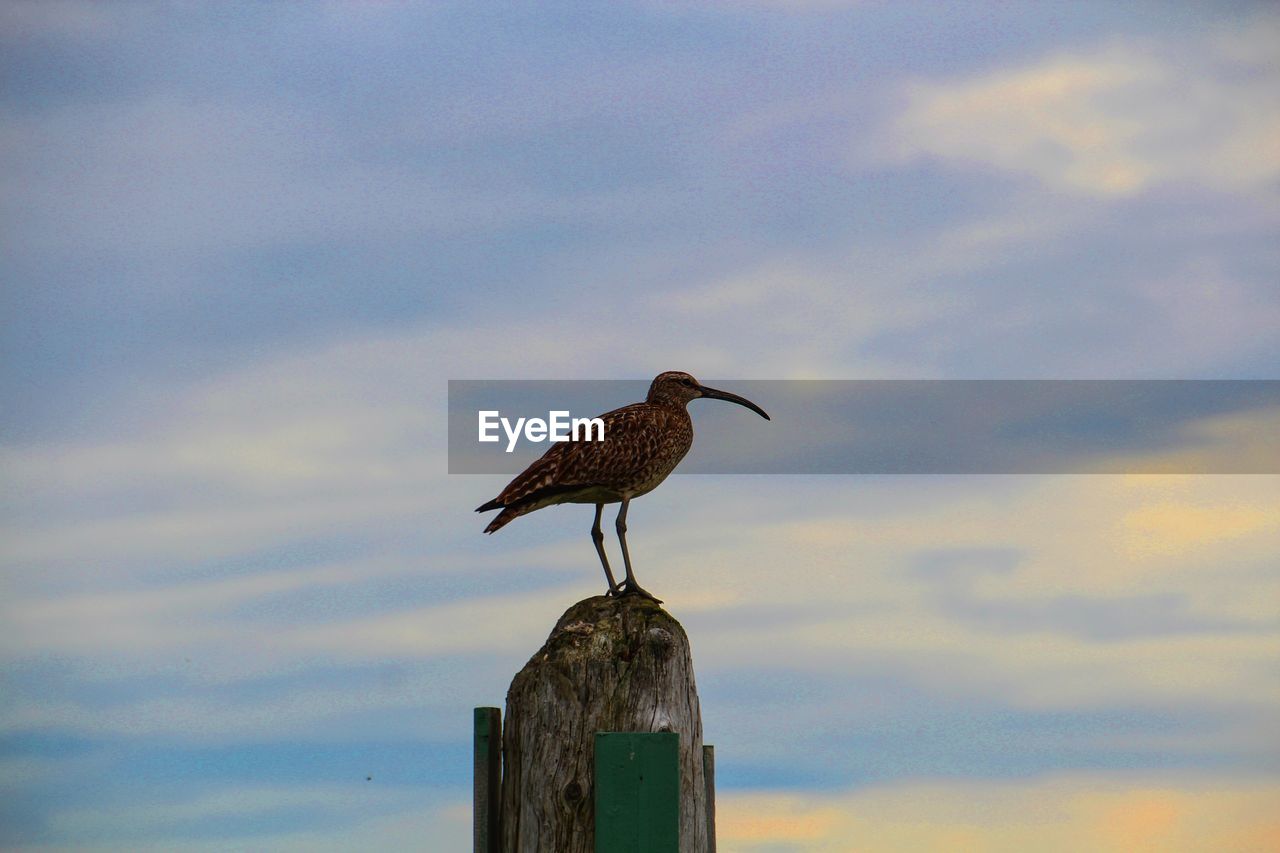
[508, 514]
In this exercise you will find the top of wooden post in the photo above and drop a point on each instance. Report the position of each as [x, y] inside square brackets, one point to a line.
[609, 665]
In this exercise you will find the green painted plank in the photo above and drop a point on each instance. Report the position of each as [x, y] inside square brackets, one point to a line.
[486, 779]
[637, 792]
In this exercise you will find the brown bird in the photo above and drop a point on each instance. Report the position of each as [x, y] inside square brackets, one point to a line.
[642, 444]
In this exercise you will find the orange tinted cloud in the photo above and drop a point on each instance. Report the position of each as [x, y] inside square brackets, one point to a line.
[1068, 813]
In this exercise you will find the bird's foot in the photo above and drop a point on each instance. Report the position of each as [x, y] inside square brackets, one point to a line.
[630, 587]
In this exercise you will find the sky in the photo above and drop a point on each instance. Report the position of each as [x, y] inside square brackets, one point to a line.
[247, 245]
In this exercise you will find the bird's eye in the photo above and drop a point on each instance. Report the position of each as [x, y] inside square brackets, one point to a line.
[686, 381]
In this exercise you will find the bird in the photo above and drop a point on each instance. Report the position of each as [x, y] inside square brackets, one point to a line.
[642, 444]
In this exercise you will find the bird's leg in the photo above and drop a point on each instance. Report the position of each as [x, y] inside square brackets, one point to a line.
[597, 536]
[629, 586]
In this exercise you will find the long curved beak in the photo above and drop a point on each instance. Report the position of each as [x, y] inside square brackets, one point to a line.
[732, 398]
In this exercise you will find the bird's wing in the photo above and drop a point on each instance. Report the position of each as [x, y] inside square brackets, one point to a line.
[630, 438]
[532, 481]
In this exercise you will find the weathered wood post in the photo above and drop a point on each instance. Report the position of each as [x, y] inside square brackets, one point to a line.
[609, 665]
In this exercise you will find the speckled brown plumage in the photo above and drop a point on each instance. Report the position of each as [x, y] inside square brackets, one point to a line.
[642, 444]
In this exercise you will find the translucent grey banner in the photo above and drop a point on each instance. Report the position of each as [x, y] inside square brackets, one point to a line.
[903, 426]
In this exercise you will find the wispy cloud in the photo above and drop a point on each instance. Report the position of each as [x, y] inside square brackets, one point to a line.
[1063, 813]
[372, 817]
[1116, 121]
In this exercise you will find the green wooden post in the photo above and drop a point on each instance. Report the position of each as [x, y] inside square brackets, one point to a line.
[486, 779]
[637, 792]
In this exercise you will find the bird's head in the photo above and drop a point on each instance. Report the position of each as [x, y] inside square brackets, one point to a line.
[675, 387]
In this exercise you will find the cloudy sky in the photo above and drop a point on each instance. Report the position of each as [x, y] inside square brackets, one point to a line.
[246, 245]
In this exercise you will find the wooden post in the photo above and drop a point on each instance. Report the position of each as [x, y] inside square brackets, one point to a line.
[486, 781]
[709, 774]
[609, 665]
[637, 792]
